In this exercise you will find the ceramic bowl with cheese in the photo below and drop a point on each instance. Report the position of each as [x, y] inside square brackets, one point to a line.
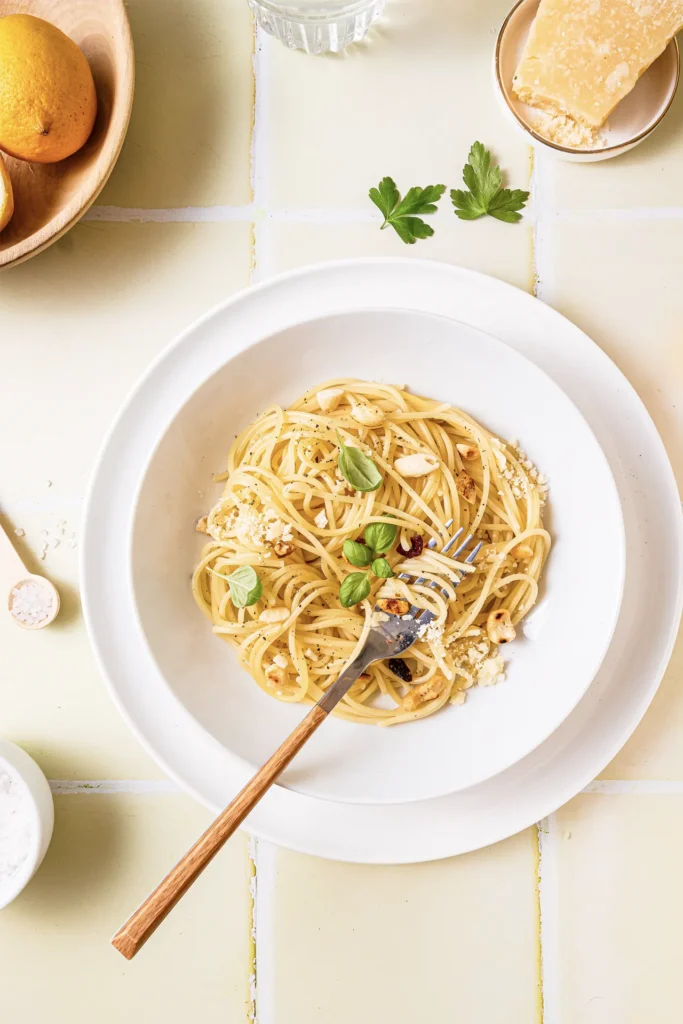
[543, 67]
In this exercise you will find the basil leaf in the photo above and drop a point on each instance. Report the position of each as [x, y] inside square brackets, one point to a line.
[380, 536]
[357, 554]
[381, 568]
[355, 588]
[357, 469]
[245, 586]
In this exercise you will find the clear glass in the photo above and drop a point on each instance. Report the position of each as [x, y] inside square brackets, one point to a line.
[317, 26]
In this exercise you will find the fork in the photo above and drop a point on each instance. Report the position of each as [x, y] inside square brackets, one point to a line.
[388, 637]
[385, 639]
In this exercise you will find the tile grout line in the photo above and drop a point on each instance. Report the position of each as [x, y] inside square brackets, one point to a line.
[549, 924]
[176, 215]
[265, 861]
[260, 268]
[324, 216]
[252, 854]
[258, 211]
[626, 215]
[549, 1012]
[634, 787]
[600, 787]
[544, 214]
[231, 214]
[99, 787]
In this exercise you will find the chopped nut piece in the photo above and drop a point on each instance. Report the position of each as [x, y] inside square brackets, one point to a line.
[329, 398]
[468, 451]
[416, 465]
[321, 519]
[276, 676]
[499, 627]
[201, 525]
[522, 551]
[394, 605]
[368, 415]
[459, 697]
[465, 486]
[281, 660]
[274, 615]
[282, 548]
[424, 692]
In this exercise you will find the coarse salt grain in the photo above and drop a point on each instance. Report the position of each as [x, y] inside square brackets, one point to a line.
[32, 603]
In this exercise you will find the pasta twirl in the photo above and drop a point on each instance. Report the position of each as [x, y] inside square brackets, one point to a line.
[287, 509]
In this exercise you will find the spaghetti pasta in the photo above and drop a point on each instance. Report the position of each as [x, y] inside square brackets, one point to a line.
[287, 509]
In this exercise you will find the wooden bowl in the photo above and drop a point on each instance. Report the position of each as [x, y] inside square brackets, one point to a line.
[50, 198]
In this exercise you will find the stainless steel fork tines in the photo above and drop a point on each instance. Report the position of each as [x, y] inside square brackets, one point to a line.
[458, 576]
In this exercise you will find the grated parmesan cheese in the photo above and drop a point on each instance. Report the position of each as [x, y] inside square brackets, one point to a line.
[321, 519]
[492, 671]
[517, 483]
[251, 527]
[434, 634]
[565, 131]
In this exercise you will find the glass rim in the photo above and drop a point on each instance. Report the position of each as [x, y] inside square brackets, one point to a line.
[319, 11]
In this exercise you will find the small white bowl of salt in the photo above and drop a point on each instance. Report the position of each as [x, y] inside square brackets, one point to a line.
[26, 819]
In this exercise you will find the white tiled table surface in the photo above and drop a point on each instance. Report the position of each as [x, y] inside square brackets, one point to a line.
[244, 159]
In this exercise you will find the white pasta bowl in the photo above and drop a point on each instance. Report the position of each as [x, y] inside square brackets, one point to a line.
[182, 688]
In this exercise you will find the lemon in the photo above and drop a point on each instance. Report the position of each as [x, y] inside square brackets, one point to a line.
[47, 93]
[6, 197]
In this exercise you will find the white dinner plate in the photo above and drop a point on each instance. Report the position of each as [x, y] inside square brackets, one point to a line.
[603, 719]
[547, 672]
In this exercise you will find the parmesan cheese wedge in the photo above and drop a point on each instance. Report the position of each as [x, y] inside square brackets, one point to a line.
[583, 56]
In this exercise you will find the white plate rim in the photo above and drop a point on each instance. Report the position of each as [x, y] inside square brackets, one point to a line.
[341, 830]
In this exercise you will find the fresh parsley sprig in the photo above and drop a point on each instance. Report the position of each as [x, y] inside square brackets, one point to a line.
[378, 538]
[486, 194]
[404, 215]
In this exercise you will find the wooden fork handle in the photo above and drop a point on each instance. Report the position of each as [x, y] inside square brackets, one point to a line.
[149, 915]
